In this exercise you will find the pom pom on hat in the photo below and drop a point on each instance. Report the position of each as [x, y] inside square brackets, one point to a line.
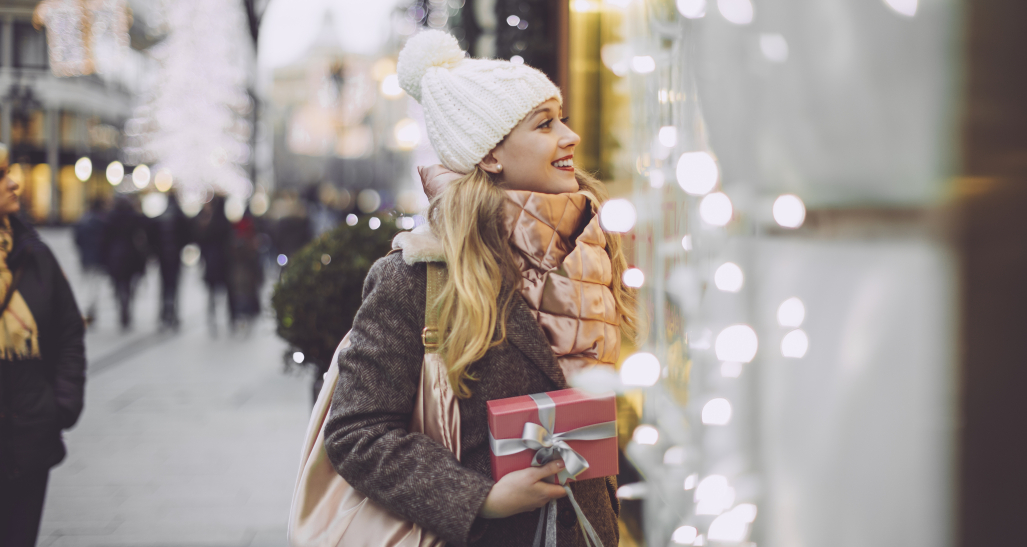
[469, 105]
[429, 49]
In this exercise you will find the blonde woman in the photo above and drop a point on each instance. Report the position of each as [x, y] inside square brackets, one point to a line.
[533, 295]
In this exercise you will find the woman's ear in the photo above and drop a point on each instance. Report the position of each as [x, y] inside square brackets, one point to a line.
[491, 164]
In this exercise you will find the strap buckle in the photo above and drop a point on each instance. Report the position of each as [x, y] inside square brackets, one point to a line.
[430, 338]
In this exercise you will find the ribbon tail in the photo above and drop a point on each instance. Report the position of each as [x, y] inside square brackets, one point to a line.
[541, 524]
[551, 524]
[591, 537]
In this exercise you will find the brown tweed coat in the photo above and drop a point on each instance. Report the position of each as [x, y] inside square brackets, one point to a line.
[410, 474]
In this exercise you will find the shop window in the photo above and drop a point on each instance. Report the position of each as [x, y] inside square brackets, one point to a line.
[73, 130]
[29, 47]
[72, 194]
[41, 197]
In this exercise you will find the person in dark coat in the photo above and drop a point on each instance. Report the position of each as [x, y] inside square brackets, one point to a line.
[214, 235]
[247, 272]
[89, 240]
[169, 233]
[124, 250]
[42, 368]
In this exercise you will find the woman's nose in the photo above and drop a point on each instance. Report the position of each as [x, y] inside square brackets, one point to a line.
[12, 184]
[569, 138]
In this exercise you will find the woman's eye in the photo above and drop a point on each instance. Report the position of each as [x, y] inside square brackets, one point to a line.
[546, 124]
[565, 119]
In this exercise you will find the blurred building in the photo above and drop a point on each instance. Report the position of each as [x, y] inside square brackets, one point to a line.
[336, 122]
[55, 115]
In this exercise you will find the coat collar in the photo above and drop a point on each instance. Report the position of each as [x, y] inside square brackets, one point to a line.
[524, 333]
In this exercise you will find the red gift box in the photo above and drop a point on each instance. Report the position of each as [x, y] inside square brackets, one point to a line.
[581, 421]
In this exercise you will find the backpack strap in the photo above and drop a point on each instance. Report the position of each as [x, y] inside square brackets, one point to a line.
[436, 279]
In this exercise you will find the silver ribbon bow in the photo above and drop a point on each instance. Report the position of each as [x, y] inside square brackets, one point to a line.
[548, 446]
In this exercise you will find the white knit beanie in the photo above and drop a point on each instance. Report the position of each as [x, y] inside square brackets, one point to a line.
[469, 104]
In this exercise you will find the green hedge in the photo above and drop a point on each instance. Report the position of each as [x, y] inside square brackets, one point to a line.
[315, 302]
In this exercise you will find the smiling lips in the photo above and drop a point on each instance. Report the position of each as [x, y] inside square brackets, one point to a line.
[565, 163]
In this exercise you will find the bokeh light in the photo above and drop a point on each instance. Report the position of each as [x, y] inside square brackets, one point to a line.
[407, 134]
[774, 47]
[163, 181]
[617, 215]
[716, 412]
[390, 87]
[692, 9]
[643, 64]
[795, 344]
[646, 434]
[640, 369]
[714, 495]
[83, 169]
[729, 277]
[789, 211]
[154, 204]
[715, 209]
[368, 201]
[374, 223]
[791, 313]
[634, 278]
[903, 7]
[697, 173]
[115, 173]
[235, 208]
[351, 219]
[684, 535]
[730, 369]
[739, 12]
[668, 136]
[736, 343]
[141, 176]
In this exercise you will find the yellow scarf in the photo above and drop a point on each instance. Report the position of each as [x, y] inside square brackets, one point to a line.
[19, 335]
[566, 275]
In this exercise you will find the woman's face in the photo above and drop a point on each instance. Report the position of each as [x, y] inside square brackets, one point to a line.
[9, 202]
[538, 155]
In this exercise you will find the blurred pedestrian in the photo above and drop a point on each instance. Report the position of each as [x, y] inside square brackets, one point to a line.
[247, 275]
[214, 235]
[42, 368]
[89, 240]
[124, 247]
[169, 233]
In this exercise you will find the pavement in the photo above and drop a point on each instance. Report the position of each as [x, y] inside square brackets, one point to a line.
[187, 439]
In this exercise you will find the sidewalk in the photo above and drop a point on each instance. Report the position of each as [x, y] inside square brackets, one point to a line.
[186, 440]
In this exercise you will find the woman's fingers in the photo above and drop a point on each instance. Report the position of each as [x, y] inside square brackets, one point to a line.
[548, 470]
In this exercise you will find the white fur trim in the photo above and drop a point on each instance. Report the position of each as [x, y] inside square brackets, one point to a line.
[419, 245]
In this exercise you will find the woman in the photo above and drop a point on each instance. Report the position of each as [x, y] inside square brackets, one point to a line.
[42, 368]
[518, 229]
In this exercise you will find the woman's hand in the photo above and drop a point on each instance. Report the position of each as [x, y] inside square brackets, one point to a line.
[521, 491]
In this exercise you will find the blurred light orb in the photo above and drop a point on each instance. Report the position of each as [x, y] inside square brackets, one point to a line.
[791, 313]
[83, 168]
[640, 369]
[406, 223]
[774, 47]
[728, 528]
[716, 412]
[351, 219]
[697, 173]
[368, 201]
[714, 495]
[737, 343]
[115, 173]
[730, 369]
[634, 278]
[668, 136]
[259, 204]
[795, 344]
[692, 9]
[738, 12]
[326, 259]
[715, 209]
[903, 7]
[141, 176]
[789, 211]
[517, 60]
[643, 64]
[407, 134]
[190, 254]
[163, 181]
[656, 178]
[513, 20]
[646, 434]
[618, 215]
[729, 277]
[297, 357]
[374, 223]
[686, 243]
[390, 86]
[154, 204]
[746, 511]
[235, 208]
[282, 260]
[684, 535]
[674, 455]
[691, 481]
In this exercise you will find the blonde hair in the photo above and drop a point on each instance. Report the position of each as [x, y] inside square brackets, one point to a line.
[5, 154]
[467, 218]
